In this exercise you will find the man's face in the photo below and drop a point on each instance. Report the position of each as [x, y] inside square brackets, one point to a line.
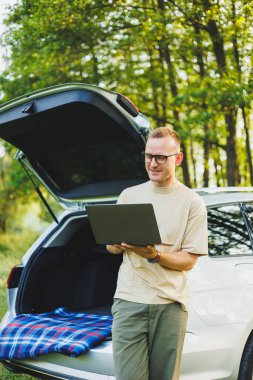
[163, 174]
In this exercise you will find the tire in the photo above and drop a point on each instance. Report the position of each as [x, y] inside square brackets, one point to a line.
[246, 365]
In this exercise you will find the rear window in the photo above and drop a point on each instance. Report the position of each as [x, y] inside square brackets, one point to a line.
[93, 163]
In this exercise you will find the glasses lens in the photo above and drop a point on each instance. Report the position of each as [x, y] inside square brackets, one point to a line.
[161, 159]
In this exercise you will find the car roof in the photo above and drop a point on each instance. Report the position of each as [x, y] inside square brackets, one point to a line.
[225, 195]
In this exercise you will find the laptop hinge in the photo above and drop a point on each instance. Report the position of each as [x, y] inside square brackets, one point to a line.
[37, 189]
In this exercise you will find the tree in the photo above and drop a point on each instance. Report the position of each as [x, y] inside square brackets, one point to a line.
[187, 64]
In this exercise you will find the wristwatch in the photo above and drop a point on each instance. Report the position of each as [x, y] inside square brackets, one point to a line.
[155, 259]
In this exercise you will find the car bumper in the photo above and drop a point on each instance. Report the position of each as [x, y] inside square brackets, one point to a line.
[212, 353]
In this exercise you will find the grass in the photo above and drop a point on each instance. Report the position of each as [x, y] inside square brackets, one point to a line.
[7, 375]
[12, 248]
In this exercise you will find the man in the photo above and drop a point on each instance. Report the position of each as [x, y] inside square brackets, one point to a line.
[150, 303]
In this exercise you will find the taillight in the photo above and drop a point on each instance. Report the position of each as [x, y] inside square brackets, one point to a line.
[128, 105]
[14, 276]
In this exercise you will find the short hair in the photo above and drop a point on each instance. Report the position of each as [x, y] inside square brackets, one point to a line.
[164, 132]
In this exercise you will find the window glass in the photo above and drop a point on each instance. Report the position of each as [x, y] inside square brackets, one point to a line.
[249, 208]
[227, 232]
[94, 162]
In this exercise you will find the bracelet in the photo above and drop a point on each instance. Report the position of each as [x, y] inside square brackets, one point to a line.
[156, 258]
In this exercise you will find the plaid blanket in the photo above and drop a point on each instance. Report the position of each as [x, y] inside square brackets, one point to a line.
[69, 333]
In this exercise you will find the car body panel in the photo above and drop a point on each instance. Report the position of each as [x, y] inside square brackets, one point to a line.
[245, 271]
[218, 291]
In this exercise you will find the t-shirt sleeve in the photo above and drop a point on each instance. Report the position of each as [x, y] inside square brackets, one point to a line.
[195, 238]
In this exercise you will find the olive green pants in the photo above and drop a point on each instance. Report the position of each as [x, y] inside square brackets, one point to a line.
[147, 340]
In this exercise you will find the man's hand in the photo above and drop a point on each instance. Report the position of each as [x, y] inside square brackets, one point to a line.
[147, 252]
[115, 249]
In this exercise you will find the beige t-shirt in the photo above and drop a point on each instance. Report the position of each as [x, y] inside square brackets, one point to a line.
[182, 221]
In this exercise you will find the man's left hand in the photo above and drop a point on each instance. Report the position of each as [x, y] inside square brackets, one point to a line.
[147, 252]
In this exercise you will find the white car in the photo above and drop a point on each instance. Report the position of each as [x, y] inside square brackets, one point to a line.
[83, 143]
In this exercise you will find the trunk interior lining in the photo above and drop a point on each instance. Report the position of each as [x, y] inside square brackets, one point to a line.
[74, 275]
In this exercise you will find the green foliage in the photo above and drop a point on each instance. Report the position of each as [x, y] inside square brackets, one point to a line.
[185, 63]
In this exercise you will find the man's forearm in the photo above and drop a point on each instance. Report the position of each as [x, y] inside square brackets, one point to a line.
[181, 261]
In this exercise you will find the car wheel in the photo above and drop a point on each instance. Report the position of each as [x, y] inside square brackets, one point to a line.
[246, 366]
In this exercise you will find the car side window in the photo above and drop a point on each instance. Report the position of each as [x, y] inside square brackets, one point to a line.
[249, 208]
[227, 232]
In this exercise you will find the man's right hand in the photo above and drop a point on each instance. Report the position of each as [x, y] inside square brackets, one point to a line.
[115, 249]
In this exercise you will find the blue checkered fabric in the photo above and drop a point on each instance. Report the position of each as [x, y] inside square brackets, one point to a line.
[62, 331]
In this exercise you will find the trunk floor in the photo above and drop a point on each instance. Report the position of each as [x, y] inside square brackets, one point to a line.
[97, 360]
[101, 310]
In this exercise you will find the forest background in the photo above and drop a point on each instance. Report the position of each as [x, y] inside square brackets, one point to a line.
[187, 64]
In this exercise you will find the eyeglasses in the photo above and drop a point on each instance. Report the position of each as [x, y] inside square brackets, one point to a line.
[159, 158]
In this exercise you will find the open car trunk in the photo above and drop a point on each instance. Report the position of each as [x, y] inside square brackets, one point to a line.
[73, 271]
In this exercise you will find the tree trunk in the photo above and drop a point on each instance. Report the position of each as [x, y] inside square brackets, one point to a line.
[166, 56]
[248, 150]
[235, 42]
[232, 161]
[218, 172]
[200, 61]
[194, 165]
[154, 89]
[185, 166]
[219, 52]
[96, 75]
[164, 96]
[243, 108]
[206, 159]
[2, 225]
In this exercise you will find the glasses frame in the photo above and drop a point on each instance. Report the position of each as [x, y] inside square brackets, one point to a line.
[155, 157]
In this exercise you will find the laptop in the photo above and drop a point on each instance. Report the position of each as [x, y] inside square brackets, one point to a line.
[129, 223]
